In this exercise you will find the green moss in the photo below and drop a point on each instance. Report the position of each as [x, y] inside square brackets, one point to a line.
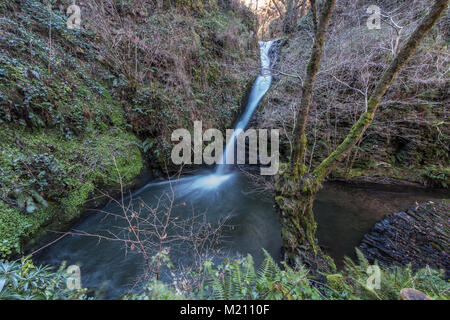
[337, 282]
[79, 194]
[330, 263]
[69, 122]
[131, 165]
[63, 172]
[16, 226]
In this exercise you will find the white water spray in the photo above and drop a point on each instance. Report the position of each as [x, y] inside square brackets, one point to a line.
[220, 176]
[259, 89]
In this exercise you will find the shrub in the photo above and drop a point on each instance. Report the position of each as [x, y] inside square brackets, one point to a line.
[25, 281]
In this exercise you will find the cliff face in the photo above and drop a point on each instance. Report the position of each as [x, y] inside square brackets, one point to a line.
[77, 107]
[409, 137]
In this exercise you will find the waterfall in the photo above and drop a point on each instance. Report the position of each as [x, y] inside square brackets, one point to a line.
[259, 89]
[220, 195]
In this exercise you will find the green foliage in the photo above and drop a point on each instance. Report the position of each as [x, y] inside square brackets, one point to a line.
[437, 176]
[237, 279]
[392, 280]
[337, 282]
[38, 88]
[156, 290]
[16, 226]
[25, 281]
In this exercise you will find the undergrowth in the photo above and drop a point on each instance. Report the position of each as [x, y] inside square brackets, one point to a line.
[238, 279]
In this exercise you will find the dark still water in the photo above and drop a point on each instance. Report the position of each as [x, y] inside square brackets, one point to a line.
[344, 214]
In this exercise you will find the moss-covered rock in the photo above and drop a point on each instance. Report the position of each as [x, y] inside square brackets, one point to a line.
[58, 175]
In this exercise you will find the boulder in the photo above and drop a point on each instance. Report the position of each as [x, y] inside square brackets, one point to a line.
[413, 294]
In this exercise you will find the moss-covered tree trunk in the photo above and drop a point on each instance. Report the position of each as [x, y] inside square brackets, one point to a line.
[295, 189]
[294, 197]
[311, 72]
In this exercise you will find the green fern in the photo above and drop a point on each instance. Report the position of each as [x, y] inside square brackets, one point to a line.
[393, 279]
[237, 279]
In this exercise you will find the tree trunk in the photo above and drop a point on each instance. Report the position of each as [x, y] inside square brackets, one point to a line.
[311, 72]
[295, 189]
[294, 198]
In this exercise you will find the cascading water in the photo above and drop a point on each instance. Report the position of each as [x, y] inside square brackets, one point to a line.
[218, 193]
[259, 89]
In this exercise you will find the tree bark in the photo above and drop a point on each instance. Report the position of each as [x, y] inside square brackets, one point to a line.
[308, 85]
[294, 191]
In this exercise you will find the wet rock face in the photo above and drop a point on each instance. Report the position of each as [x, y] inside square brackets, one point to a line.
[273, 53]
[419, 236]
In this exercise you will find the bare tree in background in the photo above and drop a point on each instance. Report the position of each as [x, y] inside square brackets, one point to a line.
[296, 187]
[291, 16]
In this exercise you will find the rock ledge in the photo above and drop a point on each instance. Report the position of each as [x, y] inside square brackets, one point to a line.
[419, 236]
